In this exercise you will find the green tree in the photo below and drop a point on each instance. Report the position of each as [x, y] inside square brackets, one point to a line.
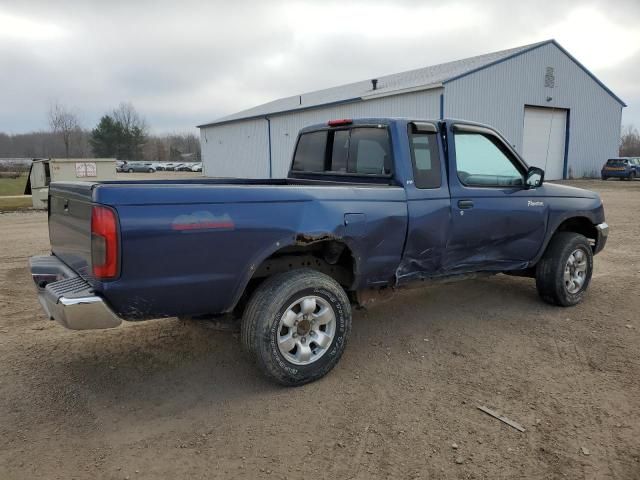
[107, 138]
[134, 131]
[121, 134]
[136, 139]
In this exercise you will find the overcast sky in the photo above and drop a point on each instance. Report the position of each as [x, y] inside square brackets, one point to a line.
[186, 63]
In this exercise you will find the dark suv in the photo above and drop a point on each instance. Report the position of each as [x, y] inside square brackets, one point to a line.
[621, 168]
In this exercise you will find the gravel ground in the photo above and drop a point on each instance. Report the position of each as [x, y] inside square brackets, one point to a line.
[167, 399]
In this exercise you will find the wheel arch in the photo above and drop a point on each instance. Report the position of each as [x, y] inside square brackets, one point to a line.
[327, 254]
[581, 224]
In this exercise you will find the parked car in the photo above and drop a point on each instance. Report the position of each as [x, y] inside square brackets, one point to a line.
[197, 167]
[119, 165]
[171, 166]
[622, 168]
[185, 167]
[131, 167]
[635, 161]
[369, 206]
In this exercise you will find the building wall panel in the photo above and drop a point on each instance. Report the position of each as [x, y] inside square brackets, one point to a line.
[241, 149]
[497, 96]
[238, 149]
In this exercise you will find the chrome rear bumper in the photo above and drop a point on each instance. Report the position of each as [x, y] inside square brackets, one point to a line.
[68, 298]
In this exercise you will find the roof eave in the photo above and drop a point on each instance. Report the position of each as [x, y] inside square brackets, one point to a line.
[374, 94]
[369, 96]
[279, 112]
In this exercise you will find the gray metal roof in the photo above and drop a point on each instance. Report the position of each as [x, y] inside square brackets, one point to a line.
[420, 79]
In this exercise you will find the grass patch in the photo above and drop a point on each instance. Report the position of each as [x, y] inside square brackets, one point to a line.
[13, 186]
[8, 204]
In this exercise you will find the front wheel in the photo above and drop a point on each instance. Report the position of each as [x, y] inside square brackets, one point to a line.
[296, 326]
[564, 273]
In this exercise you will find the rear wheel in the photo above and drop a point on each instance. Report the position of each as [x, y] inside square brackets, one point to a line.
[130, 170]
[604, 177]
[564, 273]
[296, 326]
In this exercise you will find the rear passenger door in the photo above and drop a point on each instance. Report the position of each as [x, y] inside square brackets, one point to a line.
[496, 223]
[428, 205]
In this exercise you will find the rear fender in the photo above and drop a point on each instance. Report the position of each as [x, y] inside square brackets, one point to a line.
[297, 240]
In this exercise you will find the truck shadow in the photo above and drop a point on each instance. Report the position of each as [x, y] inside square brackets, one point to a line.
[155, 369]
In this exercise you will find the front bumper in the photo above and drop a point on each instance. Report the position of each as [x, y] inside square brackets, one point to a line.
[68, 298]
[603, 234]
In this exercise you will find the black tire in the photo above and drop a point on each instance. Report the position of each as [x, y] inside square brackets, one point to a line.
[130, 170]
[151, 170]
[604, 178]
[550, 271]
[261, 323]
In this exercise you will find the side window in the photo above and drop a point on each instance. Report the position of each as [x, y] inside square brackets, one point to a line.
[425, 159]
[47, 173]
[369, 152]
[483, 161]
[310, 152]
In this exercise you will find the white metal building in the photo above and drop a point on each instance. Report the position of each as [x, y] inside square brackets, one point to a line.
[555, 112]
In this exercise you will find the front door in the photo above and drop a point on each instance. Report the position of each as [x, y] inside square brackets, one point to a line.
[496, 223]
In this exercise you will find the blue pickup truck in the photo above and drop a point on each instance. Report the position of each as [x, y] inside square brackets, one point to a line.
[369, 206]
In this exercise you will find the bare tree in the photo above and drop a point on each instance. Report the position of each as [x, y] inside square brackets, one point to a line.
[129, 117]
[64, 123]
[134, 129]
[630, 142]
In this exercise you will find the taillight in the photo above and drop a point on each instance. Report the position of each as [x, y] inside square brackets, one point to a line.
[104, 242]
[342, 121]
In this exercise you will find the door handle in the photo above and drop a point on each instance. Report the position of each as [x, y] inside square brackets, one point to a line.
[465, 204]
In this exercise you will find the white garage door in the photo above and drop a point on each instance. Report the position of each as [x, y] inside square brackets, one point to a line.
[543, 142]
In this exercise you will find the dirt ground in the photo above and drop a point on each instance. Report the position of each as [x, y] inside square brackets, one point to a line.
[167, 399]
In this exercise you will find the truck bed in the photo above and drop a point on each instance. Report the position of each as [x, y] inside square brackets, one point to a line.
[182, 241]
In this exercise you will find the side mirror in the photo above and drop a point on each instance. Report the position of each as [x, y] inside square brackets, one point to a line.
[534, 178]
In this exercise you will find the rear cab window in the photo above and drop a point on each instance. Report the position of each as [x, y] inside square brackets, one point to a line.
[357, 150]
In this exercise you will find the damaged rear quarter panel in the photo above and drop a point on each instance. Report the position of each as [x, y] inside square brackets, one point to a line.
[197, 255]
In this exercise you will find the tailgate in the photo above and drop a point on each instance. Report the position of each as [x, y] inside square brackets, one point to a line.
[70, 224]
